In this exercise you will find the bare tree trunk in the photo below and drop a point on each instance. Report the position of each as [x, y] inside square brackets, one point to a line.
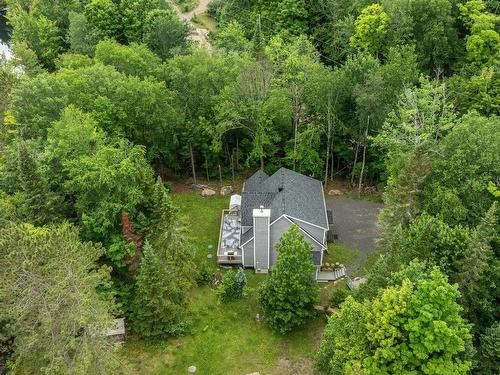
[327, 158]
[193, 169]
[206, 166]
[364, 159]
[331, 165]
[294, 142]
[295, 120]
[328, 134]
[220, 175]
[355, 162]
[232, 165]
[237, 153]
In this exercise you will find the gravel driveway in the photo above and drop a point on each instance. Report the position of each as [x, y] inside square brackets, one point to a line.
[355, 224]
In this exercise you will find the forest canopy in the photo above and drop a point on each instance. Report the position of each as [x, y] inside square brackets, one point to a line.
[107, 100]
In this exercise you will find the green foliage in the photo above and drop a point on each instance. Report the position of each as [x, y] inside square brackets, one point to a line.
[338, 296]
[406, 328]
[80, 36]
[132, 60]
[478, 92]
[490, 353]
[344, 344]
[370, 28]
[205, 274]
[134, 13]
[165, 34]
[139, 109]
[252, 105]
[289, 293]
[430, 239]
[39, 205]
[435, 35]
[104, 183]
[48, 294]
[159, 304]
[466, 163]
[483, 44]
[478, 272]
[232, 285]
[231, 37]
[167, 234]
[104, 19]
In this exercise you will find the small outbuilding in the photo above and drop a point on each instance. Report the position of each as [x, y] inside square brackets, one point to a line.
[118, 331]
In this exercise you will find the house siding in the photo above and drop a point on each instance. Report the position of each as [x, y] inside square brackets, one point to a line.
[317, 233]
[261, 242]
[279, 227]
[248, 254]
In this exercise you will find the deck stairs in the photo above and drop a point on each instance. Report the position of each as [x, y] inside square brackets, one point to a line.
[325, 276]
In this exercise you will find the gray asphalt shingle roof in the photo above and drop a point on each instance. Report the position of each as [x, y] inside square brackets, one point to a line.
[246, 236]
[285, 192]
[255, 181]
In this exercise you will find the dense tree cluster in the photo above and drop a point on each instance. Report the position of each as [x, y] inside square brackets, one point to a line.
[103, 96]
[413, 326]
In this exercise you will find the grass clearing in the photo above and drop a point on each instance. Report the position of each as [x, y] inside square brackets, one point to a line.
[202, 217]
[341, 254]
[225, 339]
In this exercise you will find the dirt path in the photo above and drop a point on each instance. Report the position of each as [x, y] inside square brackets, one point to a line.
[199, 34]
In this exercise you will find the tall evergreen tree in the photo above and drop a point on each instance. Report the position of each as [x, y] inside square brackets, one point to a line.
[158, 309]
[479, 273]
[49, 296]
[39, 205]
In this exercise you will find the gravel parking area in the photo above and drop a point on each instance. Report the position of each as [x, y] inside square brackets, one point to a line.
[355, 225]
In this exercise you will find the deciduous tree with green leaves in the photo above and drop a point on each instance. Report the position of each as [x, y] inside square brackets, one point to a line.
[370, 28]
[289, 293]
[414, 326]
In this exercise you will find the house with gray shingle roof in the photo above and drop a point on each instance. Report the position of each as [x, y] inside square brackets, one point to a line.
[269, 206]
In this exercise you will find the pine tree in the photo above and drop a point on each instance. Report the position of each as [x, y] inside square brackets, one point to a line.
[479, 272]
[167, 235]
[39, 205]
[49, 295]
[289, 293]
[158, 309]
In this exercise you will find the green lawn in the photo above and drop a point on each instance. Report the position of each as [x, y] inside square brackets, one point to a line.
[341, 254]
[202, 218]
[226, 339]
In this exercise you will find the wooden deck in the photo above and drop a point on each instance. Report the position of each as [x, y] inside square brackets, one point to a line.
[325, 276]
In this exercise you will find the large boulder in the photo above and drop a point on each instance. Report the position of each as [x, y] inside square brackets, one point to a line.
[334, 192]
[207, 192]
[226, 190]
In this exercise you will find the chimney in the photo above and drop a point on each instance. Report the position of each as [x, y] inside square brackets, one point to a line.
[261, 229]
